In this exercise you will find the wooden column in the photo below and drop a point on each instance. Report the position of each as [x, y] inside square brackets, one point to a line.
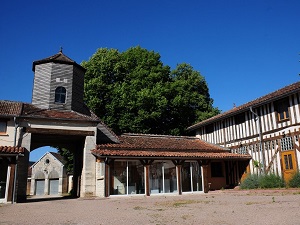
[146, 163]
[108, 185]
[205, 178]
[179, 186]
[178, 163]
[147, 178]
[106, 180]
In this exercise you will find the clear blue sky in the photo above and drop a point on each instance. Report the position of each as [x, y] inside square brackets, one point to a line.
[244, 49]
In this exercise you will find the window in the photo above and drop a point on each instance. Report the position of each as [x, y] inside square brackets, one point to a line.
[60, 95]
[240, 118]
[216, 169]
[209, 128]
[3, 126]
[288, 162]
[282, 108]
[127, 178]
[286, 143]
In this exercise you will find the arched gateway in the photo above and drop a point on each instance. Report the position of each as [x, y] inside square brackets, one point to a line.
[104, 164]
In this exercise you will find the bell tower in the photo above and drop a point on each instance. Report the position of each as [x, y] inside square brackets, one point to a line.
[58, 83]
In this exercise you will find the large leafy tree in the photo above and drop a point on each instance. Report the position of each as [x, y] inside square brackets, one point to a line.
[133, 91]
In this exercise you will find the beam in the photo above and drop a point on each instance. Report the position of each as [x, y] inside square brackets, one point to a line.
[59, 131]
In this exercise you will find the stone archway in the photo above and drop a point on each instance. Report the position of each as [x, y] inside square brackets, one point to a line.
[79, 145]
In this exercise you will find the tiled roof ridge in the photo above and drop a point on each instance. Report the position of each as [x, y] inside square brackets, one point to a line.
[158, 136]
[256, 102]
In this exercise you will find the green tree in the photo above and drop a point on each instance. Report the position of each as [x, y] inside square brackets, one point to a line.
[133, 91]
[190, 100]
[68, 156]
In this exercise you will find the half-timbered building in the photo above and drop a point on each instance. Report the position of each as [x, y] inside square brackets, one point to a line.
[267, 128]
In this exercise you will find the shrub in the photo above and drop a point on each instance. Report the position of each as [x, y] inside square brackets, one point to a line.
[270, 181]
[250, 182]
[295, 181]
[263, 181]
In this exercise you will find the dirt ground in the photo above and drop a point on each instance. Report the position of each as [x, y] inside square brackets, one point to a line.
[216, 207]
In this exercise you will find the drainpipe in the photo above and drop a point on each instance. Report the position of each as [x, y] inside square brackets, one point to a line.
[260, 140]
[16, 166]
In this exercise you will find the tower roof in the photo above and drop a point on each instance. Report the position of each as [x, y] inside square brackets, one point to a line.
[57, 58]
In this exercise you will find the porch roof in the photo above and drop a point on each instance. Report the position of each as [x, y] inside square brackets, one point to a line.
[162, 146]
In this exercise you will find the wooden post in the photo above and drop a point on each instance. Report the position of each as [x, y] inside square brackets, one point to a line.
[205, 178]
[179, 187]
[107, 179]
[147, 184]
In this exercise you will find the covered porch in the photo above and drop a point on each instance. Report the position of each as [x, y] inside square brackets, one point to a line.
[158, 164]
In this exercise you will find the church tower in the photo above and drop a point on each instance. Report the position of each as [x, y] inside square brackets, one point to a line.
[58, 84]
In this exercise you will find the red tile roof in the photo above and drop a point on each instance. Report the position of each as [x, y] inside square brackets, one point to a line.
[10, 108]
[140, 145]
[281, 93]
[36, 112]
[11, 150]
[57, 58]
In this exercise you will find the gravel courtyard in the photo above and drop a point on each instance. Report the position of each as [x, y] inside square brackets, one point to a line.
[216, 207]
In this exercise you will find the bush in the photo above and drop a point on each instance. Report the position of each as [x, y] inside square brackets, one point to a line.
[250, 182]
[295, 181]
[270, 181]
[263, 181]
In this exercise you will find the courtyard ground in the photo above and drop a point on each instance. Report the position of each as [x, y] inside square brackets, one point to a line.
[216, 207]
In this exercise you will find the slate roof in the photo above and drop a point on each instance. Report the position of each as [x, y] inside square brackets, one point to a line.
[273, 96]
[147, 145]
[57, 58]
[11, 150]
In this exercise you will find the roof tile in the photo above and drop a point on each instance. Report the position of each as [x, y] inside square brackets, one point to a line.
[10, 108]
[140, 145]
[11, 150]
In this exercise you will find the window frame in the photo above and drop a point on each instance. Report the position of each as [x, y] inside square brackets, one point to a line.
[282, 110]
[4, 131]
[60, 92]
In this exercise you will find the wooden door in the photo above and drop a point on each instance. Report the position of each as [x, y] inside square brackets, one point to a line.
[289, 165]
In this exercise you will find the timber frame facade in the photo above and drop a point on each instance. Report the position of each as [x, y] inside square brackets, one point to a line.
[267, 128]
